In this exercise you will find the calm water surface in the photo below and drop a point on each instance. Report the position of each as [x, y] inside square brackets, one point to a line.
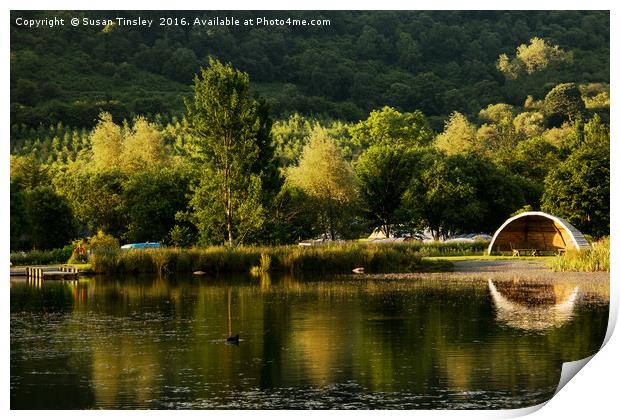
[345, 342]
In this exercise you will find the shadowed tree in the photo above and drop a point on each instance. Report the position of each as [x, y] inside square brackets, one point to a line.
[563, 103]
[384, 174]
[49, 217]
[578, 189]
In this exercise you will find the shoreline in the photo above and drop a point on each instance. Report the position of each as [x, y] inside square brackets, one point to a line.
[462, 266]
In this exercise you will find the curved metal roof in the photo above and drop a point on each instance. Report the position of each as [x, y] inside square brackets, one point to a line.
[580, 242]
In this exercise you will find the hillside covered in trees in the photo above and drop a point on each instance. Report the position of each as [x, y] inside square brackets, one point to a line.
[445, 122]
[435, 62]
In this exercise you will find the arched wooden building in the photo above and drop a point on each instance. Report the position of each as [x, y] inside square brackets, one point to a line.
[536, 231]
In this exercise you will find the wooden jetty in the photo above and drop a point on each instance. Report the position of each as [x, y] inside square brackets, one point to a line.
[47, 272]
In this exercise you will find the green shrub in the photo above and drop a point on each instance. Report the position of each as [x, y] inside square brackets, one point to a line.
[103, 241]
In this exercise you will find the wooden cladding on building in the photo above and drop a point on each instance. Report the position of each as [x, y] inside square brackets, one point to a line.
[537, 231]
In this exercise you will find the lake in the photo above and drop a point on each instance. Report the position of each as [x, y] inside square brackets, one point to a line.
[372, 341]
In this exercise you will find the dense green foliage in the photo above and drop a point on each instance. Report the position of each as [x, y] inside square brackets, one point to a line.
[229, 142]
[406, 156]
[434, 61]
[461, 193]
[328, 182]
[152, 199]
[578, 188]
[40, 217]
[563, 103]
[384, 174]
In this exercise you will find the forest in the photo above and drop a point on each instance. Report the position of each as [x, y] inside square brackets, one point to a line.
[445, 122]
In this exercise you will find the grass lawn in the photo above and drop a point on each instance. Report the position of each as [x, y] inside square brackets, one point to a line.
[86, 267]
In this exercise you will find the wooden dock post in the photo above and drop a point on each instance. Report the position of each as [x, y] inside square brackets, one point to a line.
[39, 273]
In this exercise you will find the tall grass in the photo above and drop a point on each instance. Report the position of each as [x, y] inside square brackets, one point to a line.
[340, 258]
[595, 259]
[445, 249]
[263, 267]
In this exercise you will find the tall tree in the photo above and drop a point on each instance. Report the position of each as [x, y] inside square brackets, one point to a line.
[458, 136]
[442, 198]
[384, 173]
[225, 126]
[578, 188]
[326, 178]
[107, 144]
[50, 219]
[95, 197]
[150, 201]
[461, 193]
[143, 147]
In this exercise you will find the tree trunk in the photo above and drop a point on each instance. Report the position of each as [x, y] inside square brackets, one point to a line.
[330, 213]
[228, 206]
[229, 216]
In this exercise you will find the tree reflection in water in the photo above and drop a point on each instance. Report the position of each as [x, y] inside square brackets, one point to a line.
[440, 341]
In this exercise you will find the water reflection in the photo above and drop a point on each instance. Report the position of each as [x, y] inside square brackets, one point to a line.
[534, 317]
[332, 343]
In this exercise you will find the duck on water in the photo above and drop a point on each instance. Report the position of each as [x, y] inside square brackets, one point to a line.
[233, 340]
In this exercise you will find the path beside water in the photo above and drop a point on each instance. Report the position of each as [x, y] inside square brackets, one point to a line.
[500, 266]
[501, 269]
[530, 268]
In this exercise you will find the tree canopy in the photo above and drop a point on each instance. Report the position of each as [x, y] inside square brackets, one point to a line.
[326, 178]
[378, 120]
[224, 126]
[432, 61]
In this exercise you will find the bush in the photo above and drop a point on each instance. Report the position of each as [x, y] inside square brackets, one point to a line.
[103, 241]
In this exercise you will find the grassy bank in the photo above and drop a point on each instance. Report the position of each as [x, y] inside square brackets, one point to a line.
[595, 259]
[215, 260]
[445, 249]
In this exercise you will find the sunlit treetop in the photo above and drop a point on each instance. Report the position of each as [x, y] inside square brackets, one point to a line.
[531, 58]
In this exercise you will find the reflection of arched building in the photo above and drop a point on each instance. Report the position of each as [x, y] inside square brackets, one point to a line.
[534, 317]
[537, 230]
